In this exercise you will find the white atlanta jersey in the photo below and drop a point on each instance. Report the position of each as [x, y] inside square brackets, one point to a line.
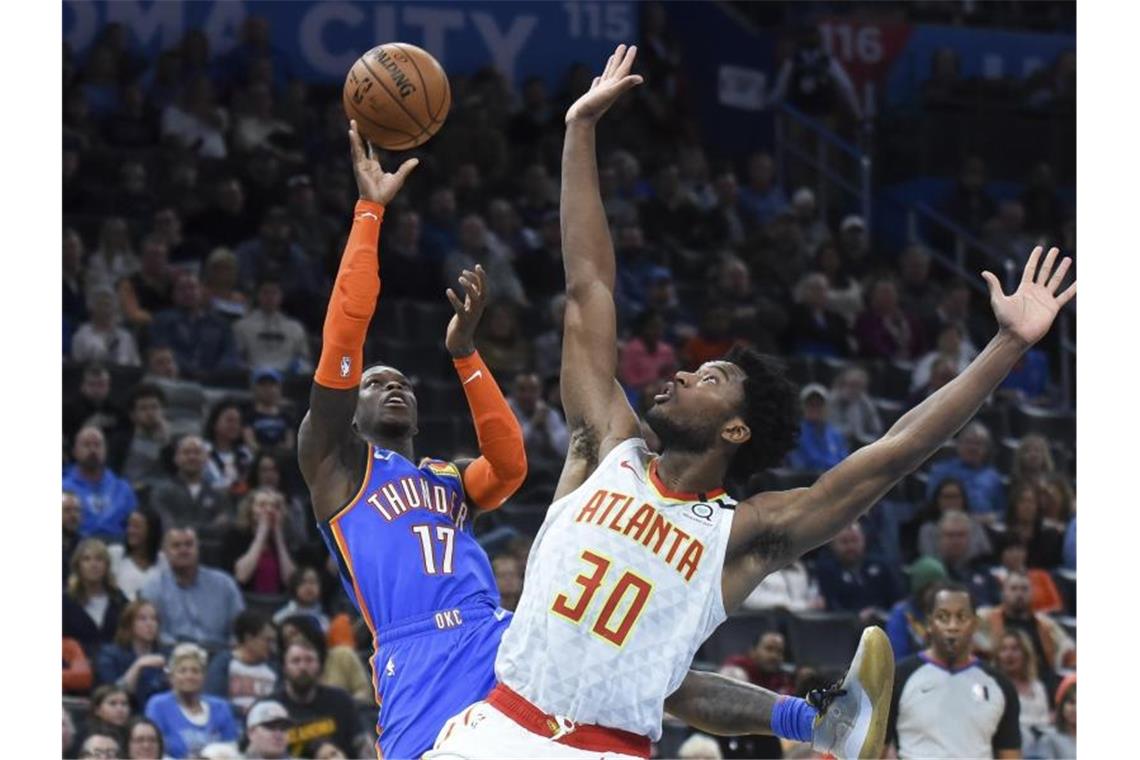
[623, 584]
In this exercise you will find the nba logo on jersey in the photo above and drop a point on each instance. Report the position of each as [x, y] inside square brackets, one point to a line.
[345, 365]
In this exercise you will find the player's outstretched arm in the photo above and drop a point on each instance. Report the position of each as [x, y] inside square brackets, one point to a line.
[500, 469]
[779, 527]
[330, 454]
[721, 705]
[597, 412]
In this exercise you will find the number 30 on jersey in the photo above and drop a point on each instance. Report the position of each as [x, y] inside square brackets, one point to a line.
[604, 626]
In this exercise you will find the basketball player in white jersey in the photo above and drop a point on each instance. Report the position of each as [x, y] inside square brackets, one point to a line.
[642, 556]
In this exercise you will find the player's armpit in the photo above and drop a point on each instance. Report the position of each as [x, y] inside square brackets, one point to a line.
[495, 476]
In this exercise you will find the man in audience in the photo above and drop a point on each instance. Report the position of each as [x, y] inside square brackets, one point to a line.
[194, 603]
[93, 407]
[189, 497]
[267, 337]
[267, 726]
[320, 712]
[954, 553]
[185, 399]
[247, 672]
[140, 454]
[852, 582]
[544, 431]
[509, 580]
[106, 500]
[202, 341]
[984, 490]
[764, 664]
[1052, 645]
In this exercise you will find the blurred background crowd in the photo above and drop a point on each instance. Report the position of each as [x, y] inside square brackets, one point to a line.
[206, 199]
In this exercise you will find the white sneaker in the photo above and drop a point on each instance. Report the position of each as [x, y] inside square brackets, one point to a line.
[852, 720]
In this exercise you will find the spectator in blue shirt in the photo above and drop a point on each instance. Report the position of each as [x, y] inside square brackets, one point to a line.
[906, 625]
[202, 341]
[984, 489]
[105, 499]
[194, 603]
[187, 718]
[821, 445]
[852, 582]
[761, 199]
[1028, 381]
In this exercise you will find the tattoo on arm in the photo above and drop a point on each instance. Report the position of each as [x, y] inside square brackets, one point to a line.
[722, 706]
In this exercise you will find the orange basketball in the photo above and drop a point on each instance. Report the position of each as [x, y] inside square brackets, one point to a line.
[398, 94]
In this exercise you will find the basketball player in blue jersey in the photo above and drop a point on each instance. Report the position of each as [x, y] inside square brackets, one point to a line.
[401, 531]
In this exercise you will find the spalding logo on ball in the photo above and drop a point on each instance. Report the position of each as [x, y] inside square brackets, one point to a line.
[398, 94]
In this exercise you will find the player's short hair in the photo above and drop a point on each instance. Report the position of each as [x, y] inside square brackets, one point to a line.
[952, 587]
[771, 411]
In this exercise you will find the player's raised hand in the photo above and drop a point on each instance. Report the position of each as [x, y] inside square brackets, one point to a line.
[1028, 313]
[606, 89]
[373, 183]
[460, 339]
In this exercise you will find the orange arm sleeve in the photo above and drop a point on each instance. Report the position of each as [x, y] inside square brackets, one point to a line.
[76, 669]
[353, 301]
[492, 478]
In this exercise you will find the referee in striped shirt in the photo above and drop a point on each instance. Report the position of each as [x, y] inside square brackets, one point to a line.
[947, 703]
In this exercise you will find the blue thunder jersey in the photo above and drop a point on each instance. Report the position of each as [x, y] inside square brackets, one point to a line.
[409, 561]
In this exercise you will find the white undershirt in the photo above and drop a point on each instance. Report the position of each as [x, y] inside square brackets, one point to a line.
[96, 607]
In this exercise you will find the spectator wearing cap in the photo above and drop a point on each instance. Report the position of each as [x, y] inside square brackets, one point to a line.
[950, 496]
[103, 338]
[814, 330]
[1052, 646]
[247, 672]
[906, 623]
[855, 245]
[764, 663]
[953, 550]
[821, 445]
[267, 726]
[266, 422]
[646, 359]
[950, 348]
[813, 230]
[762, 197]
[139, 454]
[985, 491]
[269, 338]
[195, 603]
[189, 719]
[220, 285]
[93, 407]
[884, 330]
[201, 340]
[105, 499]
[100, 744]
[850, 581]
[851, 409]
[190, 496]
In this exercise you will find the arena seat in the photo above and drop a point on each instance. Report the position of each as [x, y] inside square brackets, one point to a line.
[822, 639]
[738, 634]
[1054, 425]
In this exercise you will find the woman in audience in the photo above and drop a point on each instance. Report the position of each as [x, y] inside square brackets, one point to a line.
[229, 458]
[92, 603]
[268, 471]
[110, 711]
[102, 338]
[256, 548]
[144, 740]
[1024, 522]
[1017, 662]
[1061, 740]
[304, 598]
[135, 661]
[139, 560]
[1033, 461]
[220, 285]
[1057, 501]
[187, 718]
[950, 496]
